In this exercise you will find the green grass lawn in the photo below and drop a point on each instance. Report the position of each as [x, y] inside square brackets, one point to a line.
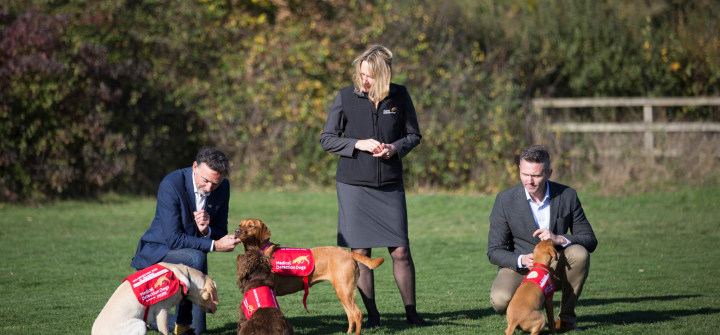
[655, 269]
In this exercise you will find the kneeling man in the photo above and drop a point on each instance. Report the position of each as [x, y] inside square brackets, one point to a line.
[190, 221]
[535, 210]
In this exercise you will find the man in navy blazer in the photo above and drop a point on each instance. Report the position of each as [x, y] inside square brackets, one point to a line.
[190, 221]
[536, 210]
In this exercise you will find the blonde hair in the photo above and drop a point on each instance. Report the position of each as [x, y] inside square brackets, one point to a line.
[379, 59]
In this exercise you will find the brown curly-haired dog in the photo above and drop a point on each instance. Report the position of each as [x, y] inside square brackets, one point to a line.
[333, 264]
[254, 270]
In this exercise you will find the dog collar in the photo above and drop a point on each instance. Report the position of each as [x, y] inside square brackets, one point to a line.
[543, 266]
[266, 247]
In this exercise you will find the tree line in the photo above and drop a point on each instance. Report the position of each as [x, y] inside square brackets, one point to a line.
[112, 95]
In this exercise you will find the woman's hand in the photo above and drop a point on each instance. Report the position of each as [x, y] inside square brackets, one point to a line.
[369, 145]
[387, 151]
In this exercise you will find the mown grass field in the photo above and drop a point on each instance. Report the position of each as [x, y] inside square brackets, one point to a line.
[655, 270]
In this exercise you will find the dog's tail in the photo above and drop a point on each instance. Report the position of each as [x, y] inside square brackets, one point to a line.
[369, 262]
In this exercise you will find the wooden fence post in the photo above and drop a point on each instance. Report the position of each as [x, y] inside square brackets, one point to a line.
[649, 138]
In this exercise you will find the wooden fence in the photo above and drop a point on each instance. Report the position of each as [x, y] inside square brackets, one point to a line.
[647, 126]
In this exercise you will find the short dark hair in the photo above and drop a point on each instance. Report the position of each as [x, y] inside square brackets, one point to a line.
[214, 159]
[536, 154]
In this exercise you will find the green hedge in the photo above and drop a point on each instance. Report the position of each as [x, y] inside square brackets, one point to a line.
[114, 95]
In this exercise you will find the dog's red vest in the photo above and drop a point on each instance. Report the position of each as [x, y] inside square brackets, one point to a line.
[295, 262]
[154, 284]
[540, 276]
[259, 297]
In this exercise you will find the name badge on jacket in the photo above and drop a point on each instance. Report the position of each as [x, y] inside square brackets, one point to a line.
[390, 111]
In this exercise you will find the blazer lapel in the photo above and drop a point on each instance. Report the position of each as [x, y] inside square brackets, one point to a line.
[210, 201]
[554, 205]
[190, 190]
[526, 212]
[190, 193]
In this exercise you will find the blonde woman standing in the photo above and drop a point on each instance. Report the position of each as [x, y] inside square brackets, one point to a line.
[372, 125]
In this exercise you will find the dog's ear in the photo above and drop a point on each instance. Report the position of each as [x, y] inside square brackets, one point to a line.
[181, 273]
[210, 291]
[270, 251]
[242, 268]
[264, 232]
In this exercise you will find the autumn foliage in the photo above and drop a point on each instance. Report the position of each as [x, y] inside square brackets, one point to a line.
[113, 95]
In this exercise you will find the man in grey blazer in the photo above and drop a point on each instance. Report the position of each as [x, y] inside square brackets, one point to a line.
[535, 210]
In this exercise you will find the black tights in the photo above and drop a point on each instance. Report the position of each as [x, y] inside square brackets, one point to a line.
[404, 272]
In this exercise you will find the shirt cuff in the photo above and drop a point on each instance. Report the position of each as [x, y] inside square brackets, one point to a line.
[568, 242]
[520, 264]
[212, 244]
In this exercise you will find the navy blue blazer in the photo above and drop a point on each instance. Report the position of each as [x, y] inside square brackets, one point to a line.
[174, 224]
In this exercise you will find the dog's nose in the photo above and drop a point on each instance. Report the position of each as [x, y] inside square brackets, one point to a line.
[238, 232]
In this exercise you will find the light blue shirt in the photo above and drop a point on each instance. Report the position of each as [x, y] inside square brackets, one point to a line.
[541, 214]
[540, 211]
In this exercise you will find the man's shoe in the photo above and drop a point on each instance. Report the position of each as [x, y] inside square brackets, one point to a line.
[566, 326]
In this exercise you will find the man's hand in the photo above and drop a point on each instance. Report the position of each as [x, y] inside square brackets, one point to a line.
[227, 243]
[388, 150]
[527, 260]
[546, 234]
[202, 220]
[369, 145]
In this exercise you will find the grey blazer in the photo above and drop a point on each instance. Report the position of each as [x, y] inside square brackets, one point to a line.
[512, 224]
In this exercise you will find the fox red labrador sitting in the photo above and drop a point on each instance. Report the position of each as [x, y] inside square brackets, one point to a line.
[536, 291]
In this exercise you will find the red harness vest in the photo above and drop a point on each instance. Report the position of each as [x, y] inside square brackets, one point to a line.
[260, 297]
[154, 284]
[540, 276]
[294, 262]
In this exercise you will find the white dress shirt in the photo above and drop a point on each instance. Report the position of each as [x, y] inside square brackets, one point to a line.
[541, 215]
[200, 200]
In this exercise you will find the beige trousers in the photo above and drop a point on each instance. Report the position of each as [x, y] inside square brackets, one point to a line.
[569, 275]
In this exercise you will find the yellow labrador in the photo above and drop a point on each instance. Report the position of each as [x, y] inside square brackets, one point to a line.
[123, 314]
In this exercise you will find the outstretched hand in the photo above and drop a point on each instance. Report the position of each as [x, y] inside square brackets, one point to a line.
[227, 243]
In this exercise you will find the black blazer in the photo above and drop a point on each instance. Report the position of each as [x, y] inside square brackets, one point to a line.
[512, 224]
[354, 116]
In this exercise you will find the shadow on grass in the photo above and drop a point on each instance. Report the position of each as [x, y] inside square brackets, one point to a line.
[594, 302]
[633, 317]
[392, 322]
